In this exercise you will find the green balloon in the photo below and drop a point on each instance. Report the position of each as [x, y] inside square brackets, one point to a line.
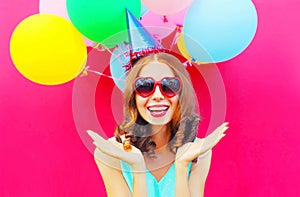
[100, 19]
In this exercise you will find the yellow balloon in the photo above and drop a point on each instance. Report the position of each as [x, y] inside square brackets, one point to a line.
[183, 50]
[47, 49]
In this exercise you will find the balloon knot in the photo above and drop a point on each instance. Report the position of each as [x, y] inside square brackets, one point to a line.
[85, 71]
[165, 20]
[179, 28]
[187, 64]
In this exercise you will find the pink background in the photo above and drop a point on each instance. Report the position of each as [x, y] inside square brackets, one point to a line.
[42, 154]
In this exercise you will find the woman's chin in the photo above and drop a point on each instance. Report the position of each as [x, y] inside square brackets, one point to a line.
[159, 121]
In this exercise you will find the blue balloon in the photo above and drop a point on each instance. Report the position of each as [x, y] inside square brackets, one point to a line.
[120, 57]
[144, 10]
[218, 30]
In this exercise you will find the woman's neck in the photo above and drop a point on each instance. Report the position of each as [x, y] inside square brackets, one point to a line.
[161, 136]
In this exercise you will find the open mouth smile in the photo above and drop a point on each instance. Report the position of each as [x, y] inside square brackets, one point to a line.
[158, 110]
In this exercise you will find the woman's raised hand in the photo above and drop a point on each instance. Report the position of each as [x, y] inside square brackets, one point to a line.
[113, 152]
[192, 150]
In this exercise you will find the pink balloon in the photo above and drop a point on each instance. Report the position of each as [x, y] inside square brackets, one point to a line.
[167, 7]
[88, 42]
[57, 7]
[162, 26]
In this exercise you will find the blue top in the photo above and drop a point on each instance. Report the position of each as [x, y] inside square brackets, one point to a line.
[163, 188]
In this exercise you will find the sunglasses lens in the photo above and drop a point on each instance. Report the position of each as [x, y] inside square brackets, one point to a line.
[170, 86]
[144, 86]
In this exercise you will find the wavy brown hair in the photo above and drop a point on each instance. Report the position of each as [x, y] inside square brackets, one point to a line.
[184, 123]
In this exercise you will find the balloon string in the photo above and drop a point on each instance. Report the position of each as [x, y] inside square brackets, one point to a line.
[117, 56]
[178, 30]
[97, 47]
[99, 73]
[125, 53]
[121, 51]
[107, 49]
[187, 63]
[157, 38]
[103, 48]
[175, 39]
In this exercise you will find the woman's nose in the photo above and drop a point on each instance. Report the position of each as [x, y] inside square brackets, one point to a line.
[157, 95]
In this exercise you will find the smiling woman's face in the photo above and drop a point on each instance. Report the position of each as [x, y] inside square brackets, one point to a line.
[156, 109]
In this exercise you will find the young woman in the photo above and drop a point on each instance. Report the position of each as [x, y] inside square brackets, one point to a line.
[158, 153]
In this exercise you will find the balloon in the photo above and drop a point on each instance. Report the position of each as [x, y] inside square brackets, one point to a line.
[57, 7]
[223, 28]
[38, 53]
[89, 42]
[144, 10]
[167, 7]
[119, 58]
[97, 20]
[183, 50]
[165, 24]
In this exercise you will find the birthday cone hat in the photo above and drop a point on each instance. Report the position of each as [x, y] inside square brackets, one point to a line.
[141, 42]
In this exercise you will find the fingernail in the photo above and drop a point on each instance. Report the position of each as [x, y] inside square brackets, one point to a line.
[91, 133]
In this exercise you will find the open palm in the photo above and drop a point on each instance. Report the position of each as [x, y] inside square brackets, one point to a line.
[191, 150]
[112, 151]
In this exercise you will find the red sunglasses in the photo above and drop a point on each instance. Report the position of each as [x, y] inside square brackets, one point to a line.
[169, 86]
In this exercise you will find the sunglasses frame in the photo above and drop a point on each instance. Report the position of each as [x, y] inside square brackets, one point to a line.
[159, 84]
